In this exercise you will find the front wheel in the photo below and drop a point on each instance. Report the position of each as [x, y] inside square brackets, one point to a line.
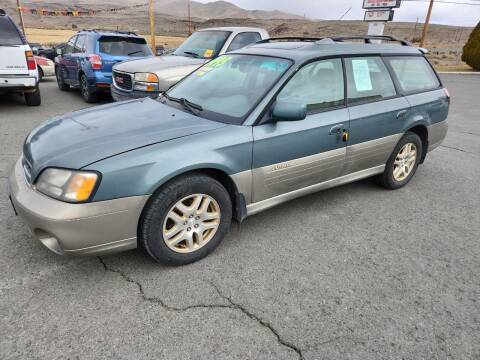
[403, 162]
[186, 220]
[60, 80]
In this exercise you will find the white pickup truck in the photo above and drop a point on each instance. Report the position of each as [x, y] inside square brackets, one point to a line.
[18, 69]
[151, 76]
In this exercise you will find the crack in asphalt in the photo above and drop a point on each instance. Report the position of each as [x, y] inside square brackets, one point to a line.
[231, 305]
[458, 149]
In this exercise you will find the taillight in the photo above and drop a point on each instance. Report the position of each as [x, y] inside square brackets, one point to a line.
[31, 64]
[95, 61]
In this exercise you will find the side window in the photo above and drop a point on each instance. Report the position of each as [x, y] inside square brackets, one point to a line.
[368, 79]
[244, 39]
[413, 73]
[80, 44]
[319, 85]
[70, 45]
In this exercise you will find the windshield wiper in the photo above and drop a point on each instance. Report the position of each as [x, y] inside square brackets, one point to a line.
[190, 106]
[195, 55]
[134, 52]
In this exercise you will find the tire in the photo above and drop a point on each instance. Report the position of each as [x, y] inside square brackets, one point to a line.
[393, 178]
[60, 81]
[88, 95]
[40, 74]
[156, 220]
[33, 98]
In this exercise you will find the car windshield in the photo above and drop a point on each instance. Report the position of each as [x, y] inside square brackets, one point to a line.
[123, 46]
[9, 34]
[228, 88]
[203, 44]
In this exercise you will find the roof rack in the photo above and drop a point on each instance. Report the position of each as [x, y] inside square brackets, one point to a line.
[368, 38]
[111, 31]
[288, 38]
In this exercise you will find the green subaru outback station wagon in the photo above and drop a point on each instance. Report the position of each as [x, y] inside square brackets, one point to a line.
[247, 131]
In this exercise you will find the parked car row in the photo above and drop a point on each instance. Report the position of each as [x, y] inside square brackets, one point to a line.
[121, 63]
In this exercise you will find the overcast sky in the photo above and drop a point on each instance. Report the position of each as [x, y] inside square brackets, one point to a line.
[450, 14]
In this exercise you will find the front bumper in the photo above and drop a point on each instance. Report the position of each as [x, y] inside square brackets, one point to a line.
[76, 229]
[119, 95]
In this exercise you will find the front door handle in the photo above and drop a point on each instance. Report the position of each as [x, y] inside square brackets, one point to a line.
[401, 114]
[337, 129]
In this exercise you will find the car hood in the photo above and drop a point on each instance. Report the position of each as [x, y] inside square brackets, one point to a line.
[80, 138]
[158, 63]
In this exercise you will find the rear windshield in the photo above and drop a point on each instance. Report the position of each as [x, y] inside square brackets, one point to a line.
[123, 46]
[9, 34]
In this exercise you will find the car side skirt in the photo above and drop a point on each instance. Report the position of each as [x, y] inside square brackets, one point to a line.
[257, 207]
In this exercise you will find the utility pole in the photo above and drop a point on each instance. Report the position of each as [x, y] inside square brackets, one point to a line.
[20, 15]
[189, 18]
[427, 23]
[151, 11]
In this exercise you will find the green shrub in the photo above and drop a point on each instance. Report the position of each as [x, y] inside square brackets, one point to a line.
[471, 50]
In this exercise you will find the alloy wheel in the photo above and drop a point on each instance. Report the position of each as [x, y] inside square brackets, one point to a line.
[404, 162]
[191, 223]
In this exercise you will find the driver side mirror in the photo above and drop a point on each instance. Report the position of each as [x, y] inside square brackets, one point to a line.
[59, 51]
[289, 111]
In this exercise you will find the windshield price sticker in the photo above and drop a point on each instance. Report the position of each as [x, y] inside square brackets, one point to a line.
[208, 53]
[216, 63]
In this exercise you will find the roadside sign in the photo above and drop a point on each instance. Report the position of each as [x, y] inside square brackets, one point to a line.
[379, 15]
[375, 4]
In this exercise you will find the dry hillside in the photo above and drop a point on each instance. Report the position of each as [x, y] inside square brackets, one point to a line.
[444, 42]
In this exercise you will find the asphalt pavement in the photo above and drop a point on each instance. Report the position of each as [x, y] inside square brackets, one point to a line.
[355, 272]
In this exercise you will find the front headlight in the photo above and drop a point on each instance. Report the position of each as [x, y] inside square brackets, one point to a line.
[146, 82]
[67, 185]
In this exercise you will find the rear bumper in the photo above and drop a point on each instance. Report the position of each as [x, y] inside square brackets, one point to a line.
[17, 83]
[47, 70]
[436, 134]
[76, 229]
[119, 95]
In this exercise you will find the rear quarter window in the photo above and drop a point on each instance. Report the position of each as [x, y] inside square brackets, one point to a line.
[413, 74]
[9, 33]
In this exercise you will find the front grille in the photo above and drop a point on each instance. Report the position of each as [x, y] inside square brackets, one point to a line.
[122, 80]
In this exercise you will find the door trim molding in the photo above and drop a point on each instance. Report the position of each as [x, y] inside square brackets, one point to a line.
[257, 207]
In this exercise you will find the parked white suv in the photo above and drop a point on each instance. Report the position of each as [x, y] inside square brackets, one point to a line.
[18, 69]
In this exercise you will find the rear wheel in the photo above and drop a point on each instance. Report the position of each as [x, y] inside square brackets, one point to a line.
[186, 220]
[33, 98]
[403, 162]
[60, 81]
[88, 95]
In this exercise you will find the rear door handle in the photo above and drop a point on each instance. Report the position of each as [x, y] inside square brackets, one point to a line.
[401, 114]
[337, 129]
